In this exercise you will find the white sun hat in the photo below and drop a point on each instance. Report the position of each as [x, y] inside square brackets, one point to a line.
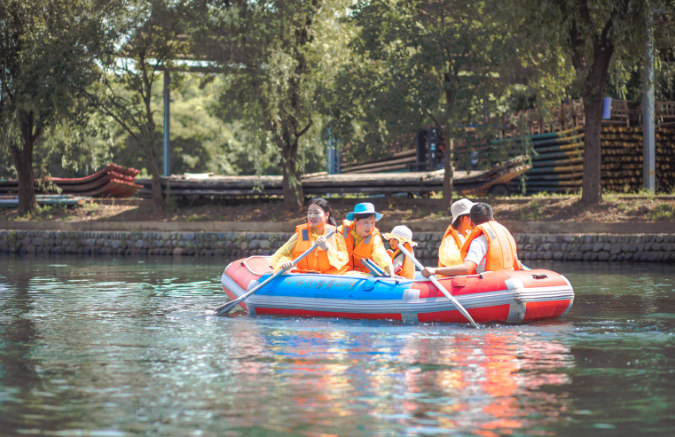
[461, 207]
[402, 234]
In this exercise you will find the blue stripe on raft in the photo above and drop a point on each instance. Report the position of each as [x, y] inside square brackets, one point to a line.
[335, 287]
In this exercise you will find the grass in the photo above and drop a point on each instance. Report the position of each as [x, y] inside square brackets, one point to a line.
[661, 212]
[535, 213]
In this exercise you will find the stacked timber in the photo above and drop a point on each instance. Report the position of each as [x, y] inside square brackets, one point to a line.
[396, 162]
[473, 182]
[622, 159]
[112, 181]
[557, 162]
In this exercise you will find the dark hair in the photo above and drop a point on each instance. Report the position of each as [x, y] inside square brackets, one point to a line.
[365, 215]
[455, 224]
[323, 204]
[481, 213]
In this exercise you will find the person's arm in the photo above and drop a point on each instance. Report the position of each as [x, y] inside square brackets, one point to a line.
[466, 268]
[284, 254]
[381, 257]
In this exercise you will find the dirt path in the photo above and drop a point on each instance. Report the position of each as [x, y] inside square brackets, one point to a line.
[559, 208]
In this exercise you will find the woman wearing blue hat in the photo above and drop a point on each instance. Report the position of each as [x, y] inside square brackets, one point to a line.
[363, 239]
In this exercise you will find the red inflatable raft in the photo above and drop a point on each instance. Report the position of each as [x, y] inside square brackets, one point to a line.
[510, 297]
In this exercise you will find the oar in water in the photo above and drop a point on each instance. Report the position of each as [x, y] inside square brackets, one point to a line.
[438, 285]
[224, 309]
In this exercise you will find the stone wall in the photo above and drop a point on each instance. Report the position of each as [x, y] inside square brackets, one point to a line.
[643, 248]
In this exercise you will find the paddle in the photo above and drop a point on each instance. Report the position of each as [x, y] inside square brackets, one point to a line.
[439, 286]
[224, 309]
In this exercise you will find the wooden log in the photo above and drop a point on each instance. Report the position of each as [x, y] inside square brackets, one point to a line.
[572, 146]
[561, 169]
[377, 168]
[403, 154]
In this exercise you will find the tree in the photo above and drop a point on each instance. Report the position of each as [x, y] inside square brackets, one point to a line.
[151, 43]
[597, 36]
[274, 55]
[47, 55]
[437, 61]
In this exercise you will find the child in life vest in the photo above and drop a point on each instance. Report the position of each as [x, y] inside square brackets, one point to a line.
[403, 266]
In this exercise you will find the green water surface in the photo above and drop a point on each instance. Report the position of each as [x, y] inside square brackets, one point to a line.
[109, 347]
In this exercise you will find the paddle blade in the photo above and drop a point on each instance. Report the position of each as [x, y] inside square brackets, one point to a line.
[222, 310]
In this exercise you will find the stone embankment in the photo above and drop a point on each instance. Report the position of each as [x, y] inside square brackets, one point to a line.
[567, 247]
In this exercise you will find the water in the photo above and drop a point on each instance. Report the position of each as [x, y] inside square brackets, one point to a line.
[126, 347]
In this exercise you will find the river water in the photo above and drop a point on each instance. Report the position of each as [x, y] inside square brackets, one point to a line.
[110, 347]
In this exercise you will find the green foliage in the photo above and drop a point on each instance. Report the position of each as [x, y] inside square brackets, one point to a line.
[418, 63]
[47, 57]
[662, 211]
[277, 56]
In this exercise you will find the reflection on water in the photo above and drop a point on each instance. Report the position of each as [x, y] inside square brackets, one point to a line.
[116, 347]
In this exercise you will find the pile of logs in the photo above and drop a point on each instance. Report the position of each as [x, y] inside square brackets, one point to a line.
[557, 164]
[112, 181]
[396, 162]
[622, 159]
[474, 182]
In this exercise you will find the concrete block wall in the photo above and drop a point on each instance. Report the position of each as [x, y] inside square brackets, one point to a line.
[563, 247]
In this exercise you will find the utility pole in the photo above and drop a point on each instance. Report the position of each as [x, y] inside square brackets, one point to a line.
[648, 134]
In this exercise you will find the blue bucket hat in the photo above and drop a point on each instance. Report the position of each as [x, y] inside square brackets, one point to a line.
[364, 208]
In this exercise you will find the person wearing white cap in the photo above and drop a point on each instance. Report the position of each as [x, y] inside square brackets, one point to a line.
[363, 240]
[455, 235]
[489, 247]
[403, 266]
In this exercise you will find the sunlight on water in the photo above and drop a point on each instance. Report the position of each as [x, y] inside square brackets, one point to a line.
[114, 347]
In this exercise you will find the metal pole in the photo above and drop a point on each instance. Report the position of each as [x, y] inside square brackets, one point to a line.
[167, 107]
[648, 134]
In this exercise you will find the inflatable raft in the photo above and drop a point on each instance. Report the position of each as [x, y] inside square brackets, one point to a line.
[510, 297]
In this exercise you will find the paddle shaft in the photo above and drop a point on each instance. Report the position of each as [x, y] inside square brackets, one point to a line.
[224, 309]
[438, 285]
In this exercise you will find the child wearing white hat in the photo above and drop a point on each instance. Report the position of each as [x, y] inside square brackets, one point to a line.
[403, 266]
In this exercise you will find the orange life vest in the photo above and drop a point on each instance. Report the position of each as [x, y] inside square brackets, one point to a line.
[502, 251]
[363, 250]
[407, 269]
[316, 261]
[450, 233]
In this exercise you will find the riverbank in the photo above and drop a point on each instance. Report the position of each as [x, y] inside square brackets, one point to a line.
[554, 208]
[531, 246]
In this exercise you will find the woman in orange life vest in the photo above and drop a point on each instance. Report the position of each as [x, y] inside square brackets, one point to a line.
[403, 266]
[455, 235]
[490, 247]
[363, 240]
[331, 255]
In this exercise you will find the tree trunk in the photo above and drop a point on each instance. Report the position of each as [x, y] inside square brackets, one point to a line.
[157, 195]
[23, 162]
[449, 168]
[594, 91]
[592, 182]
[292, 187]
